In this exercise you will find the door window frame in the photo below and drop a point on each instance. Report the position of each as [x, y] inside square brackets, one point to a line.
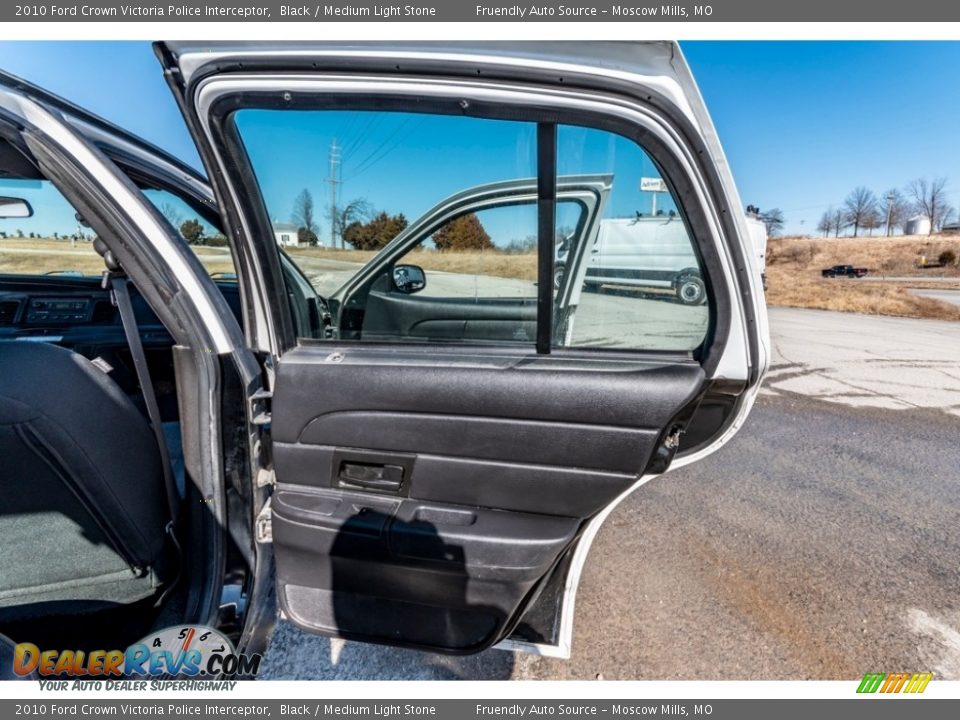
[217, 98]
[473, 200]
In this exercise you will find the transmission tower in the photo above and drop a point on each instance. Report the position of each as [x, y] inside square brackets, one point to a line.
[334, 180]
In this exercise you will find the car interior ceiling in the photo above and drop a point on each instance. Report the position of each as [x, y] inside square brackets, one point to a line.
[88, 560]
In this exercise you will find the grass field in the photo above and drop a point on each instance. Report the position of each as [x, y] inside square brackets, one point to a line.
[794, 265]
[46, 255]
[519, 266]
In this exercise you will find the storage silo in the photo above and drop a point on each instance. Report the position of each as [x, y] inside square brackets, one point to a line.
[917, 225]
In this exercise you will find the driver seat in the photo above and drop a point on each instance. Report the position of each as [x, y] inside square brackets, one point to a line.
[83, 511]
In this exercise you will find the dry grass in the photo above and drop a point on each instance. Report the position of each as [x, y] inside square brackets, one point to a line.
[794, 265]
[896, 256]
[519, 266]
[24, 256]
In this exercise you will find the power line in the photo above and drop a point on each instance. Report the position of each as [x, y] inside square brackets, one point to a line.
[383, 150]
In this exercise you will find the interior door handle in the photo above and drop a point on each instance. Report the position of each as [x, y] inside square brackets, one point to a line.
[370, 476]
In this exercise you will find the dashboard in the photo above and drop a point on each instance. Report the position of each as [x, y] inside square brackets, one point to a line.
[77, 312]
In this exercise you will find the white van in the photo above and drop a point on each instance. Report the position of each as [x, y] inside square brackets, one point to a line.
[656, 252]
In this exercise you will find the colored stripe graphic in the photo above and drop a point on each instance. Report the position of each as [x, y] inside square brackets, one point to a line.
[918, 682]
[894, 682]
[871, 682]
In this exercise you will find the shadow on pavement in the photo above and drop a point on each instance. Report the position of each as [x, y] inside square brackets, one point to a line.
[296, 655]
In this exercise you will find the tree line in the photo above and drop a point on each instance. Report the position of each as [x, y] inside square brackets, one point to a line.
[357, 224]
[863, 211]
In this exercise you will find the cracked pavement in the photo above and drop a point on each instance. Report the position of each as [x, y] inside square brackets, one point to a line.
[865, 360]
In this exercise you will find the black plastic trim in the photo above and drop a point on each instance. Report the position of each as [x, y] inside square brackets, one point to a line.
[547, 223]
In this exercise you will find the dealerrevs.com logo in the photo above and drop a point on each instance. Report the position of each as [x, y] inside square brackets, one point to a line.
[191, 651]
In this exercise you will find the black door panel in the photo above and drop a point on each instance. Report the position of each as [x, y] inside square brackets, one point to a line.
[527, 487]
[422, 495]
[392, 316]
[318, 379]
[481, 437]
[408, 572]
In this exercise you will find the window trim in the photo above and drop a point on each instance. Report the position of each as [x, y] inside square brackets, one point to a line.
[546, 232]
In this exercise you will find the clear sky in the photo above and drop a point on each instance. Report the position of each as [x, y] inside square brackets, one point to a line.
[406, 162]
[802, 123]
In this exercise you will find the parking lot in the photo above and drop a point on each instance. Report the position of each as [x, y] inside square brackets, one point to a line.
[821, 543]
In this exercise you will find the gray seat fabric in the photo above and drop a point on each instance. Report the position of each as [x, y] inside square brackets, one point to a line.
[82, 504]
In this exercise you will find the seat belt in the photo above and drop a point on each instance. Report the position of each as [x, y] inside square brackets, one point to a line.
[120, 289]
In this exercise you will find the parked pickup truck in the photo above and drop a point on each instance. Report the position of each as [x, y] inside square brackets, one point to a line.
[843, 271]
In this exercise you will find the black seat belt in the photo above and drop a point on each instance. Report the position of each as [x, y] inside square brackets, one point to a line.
[120, 289]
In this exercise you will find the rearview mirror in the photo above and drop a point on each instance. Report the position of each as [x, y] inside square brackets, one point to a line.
[11, 207]
[409, 279]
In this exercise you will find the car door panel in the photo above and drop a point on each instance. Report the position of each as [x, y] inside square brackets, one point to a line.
[389, 566]
[394, 316]
[430, 495]
[489, 497]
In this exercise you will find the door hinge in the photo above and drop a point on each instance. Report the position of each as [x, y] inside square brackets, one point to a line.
[266, 477]
[664, 453]
[672, 440]
[260, 411]
[264, 524]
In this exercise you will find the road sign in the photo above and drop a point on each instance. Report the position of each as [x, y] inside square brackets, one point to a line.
[648, 184]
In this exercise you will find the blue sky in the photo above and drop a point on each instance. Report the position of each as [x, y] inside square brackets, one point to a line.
[802, 123]
[404, 162]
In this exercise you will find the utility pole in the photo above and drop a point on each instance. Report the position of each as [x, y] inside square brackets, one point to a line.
[334, 180]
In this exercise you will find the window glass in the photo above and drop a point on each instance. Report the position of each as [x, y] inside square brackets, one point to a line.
[49, 242]
[640, 284]
[52, 241]
[486, 253]
[416, 227]
[207, 242]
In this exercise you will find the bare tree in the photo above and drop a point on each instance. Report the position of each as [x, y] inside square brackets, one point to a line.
[930, 199]
[825, 224]
[773, 220]
[894, 208]
[859, 206]
[303, 217]
[945, 217]
[872, 221]
[357, 210]
[839, 221]
[172, 214]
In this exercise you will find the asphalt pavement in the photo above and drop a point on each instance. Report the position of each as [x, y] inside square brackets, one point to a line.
[947, 296]
[822, 542]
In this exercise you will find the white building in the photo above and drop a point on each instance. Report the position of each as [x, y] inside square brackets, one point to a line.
[286, 234]
[917, 225]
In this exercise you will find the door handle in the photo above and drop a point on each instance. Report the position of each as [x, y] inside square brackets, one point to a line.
[370, 476]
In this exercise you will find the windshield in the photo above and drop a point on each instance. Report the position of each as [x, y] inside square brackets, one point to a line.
[52, 241]
[49, 242]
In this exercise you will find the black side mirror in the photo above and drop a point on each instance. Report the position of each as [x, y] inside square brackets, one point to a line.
[11, 207]
[409, 279]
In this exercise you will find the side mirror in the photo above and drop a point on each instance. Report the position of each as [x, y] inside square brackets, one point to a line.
[11, 207]
[409, 279]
